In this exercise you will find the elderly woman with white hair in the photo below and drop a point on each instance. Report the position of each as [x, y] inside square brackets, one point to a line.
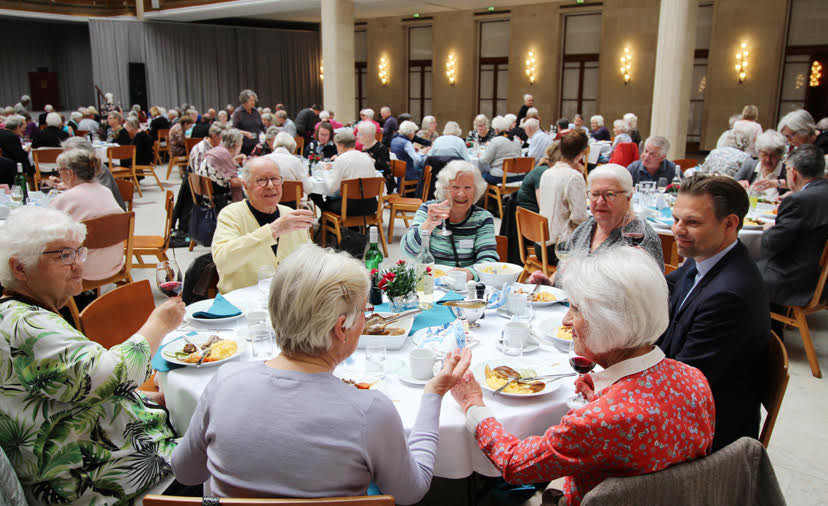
[428, 129]
[480, 133]
[459, 185]
[621, 132]
[500, 147]
[366, 136]
[221, 163]
[609, 189]
[257, 231]
[451, 143]
[334, 440]
[283, 152]
[728, 160]
[403, 149]
[798, 128]
[597, 130]
[658, 425]
[768, 173]
[52, 135]
[99, 440]
[632, 121]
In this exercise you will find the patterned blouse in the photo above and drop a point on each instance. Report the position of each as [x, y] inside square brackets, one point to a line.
[71, 422]
[641, 424]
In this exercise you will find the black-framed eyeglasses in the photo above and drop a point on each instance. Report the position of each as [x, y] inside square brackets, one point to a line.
[609, 196]
[262, 181]
[68, 255]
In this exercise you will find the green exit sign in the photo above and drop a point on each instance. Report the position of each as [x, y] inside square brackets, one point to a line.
[491, 8]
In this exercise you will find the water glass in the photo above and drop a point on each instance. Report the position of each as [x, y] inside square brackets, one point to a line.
[375, 355]
[262, 344]
[264, 275]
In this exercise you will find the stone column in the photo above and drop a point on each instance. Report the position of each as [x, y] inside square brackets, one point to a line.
[338, 59]
[674, 72]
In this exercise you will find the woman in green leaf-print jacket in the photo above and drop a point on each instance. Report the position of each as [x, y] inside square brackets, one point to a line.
[72, 423]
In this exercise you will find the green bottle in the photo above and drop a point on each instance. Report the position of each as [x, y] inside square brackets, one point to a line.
[373, 257]
[20, 180]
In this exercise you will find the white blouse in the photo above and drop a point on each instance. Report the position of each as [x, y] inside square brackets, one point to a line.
[562, 200]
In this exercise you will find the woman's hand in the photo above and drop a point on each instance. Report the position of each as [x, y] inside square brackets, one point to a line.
[467, 392]
[745, 184]
[539, 278]
[455, 366]
[163, 320]
[249, 135]
[240, 159]
[764, 184]
[585, 386]
[436, 214]
[469, 275]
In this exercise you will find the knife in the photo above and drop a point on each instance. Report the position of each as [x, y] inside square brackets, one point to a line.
[549, 377]
[204, 355]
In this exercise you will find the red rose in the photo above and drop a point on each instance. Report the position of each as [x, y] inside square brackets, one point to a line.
[391, 276]
[374, 271]
[381, 284]
[428, 269]
[401, 262]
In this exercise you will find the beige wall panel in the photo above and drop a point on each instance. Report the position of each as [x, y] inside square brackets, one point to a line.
[454, 33]
[386, 37]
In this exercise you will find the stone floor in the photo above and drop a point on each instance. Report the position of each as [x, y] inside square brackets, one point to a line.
[798, 448]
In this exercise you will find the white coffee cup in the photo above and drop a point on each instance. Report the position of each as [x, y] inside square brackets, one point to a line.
[516, 334]
[458, 279]
[421, 361]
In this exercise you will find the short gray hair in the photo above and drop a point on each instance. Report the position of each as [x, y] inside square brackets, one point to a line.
[76, 115]
[480, 119]
[511, 118]
[531, 122]
[366, 128]
[217, 128]
[660, 142]
[739, 138]
[427, 122]
[54, 119]
[619, 173]
[114, 114]
[271, 131]
[267, 117]
[133, 123]
[283, 140]
[14, 122]
[281, 113]
[770, 140]
[407, 128]
[527, 97]
[631, 120]
[800, 121]
[77, 142]
[81, 161]
[369, 113]
[324, 115]
[245, 95]
[345, 138]
[333, 283]
[220, 113]
[173, 113]
[452, 128]
[622, 125]
[621, 294]
[231, 138]
[500, 124]
[598, 119]
[450, 173]
[26, 233]
[246, 172]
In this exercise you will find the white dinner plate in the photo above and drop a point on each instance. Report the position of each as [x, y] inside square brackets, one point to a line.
[548, 328]
[560, 295]
[202, 337]
[204, 305]
[517, 364]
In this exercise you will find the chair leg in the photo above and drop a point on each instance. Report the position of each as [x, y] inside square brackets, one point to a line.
[169, 167]
[382, 239]
[500, 204]
[192, 244]
[392, 217]
[802, 324]
[324, 236]
[157, 179]
[523, 274]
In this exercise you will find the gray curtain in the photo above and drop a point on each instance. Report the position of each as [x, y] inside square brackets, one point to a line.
[206, 65]
[61, 47]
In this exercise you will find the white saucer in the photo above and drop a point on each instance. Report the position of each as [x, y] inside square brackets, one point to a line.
[532, 345]
[405, 377]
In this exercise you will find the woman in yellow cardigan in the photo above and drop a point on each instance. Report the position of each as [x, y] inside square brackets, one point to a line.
[257, 231]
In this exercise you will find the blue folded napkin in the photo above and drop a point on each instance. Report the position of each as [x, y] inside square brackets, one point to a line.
[437, 315]
[160, 364]
[221, 308]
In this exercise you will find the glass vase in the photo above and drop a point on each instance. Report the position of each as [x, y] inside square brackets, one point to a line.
[405, 302]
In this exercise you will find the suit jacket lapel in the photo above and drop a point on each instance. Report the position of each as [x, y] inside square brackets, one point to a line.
[709, 277]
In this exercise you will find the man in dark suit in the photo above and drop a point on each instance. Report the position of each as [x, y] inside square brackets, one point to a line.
[10, 143]
[791, 248]
[719, 320]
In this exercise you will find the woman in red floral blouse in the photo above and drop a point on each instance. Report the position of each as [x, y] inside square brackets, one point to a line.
[645, 412]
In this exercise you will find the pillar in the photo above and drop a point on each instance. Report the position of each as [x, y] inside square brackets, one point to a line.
[673, 72]
[338, 58]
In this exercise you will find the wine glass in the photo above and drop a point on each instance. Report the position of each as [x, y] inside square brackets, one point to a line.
[581, 365]
[17, 194]
[169, 279]
[444, 231]
[563, 249]
[633, 231]
[662, 184]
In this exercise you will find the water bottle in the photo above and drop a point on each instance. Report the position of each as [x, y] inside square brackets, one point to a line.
[425, 279]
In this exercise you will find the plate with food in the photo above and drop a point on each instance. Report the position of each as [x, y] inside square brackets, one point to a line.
[217, 350]
[752, 223]
[493, 374]
[393, 335]
[553, 331]
[544, 296]
[362, 383]
[497, 274]
[439, 271]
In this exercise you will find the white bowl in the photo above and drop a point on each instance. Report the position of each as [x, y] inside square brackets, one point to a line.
[502, 273]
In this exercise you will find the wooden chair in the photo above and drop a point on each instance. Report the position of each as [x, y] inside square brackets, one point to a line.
[300, 144]
[502, 247]
[119, 153]
[176, 161]
[102, 232]
[520, 165]
[378, 135]
[685, 163]
[349, 188]
[148, 170]
[41, 156]
[201, 189]
[534, 227]
[407, 186]
[127, 192]
[292, 191]
[161, 144]
[371, 500]
[189, 144]
[407, 206]
[155, 244]
[778, 382]
[795, 315]
[81, 133]
[669, 250]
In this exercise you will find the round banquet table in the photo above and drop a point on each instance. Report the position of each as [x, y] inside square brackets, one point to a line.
[457, 453]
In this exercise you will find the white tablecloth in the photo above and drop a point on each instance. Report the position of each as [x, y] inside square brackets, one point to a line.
[457, 452]
[100, 153]
[597, 149]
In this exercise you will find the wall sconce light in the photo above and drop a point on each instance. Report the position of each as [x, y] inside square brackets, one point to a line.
[321, 70]
[626, 65]
[816, 74]
[382, 71]
[531, 66]
[742, 63]
[451, 69]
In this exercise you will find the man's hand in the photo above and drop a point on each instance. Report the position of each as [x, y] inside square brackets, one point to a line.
[299, 219]
[249, 135]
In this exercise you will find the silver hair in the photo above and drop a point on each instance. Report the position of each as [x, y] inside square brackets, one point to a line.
[527, 97]
[480, 119]
[82, 162]
[334, 284]
[733, 119]
[220, 114]
[91, 111]
[345, 138]
[532, 112]
[14, 122]
[114, 114]
[452, 128]
[531, 122]
[631, 120]
[427, 122]
[281, 113]
[621, 294]
[323, 115]
[284, 140]
[173, 113]
[231, 138]
[77, 143]
[48, 108]
[450, 173]
[54, 119]
[407, 128]
[245, 95]
[368, 113]
[385, 108]
[771, 140]
[366, 128]
[511, 118]
[110, 98]
[622, 125]
[217, 128]
[660, 142]
[26, 233]
[598, 119]
[500, 124]
[76, 116]
[267, 116]
[133, 122]
[822, 124]
[271, 131]
[739, 138]
[800, 121]
[619, 173]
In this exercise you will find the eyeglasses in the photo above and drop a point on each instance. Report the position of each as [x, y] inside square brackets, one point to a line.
[262, 181]
[609, 196]
[68, 255]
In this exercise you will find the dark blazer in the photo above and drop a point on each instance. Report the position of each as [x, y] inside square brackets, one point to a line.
[723, 329]
[158, 123]
[789, 261]
[143, 147]
[200, 130]
[8, 169]
[13, 149]
[49, 137]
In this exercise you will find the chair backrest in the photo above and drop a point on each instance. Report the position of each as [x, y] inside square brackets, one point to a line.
[133, 304]
[127, 192]
[378, 135]
[169, 205]
[669, 250]
[81, 133]
[200, 186]
[502, 247]
[685, 163]
[823, 276]
[46, 155]
[398, 168]
[109, 230]
[164, 134]
[426, 182]
[520, 165]
[371, 500]
[372, 187]
[300, 144]
[120, 153]
[291, 191]
[190, 143]
[532, 226]
[777, 384]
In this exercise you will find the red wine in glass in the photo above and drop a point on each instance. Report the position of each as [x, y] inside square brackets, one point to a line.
[581, 365]
[171, 288]
[633, 238]
[168, 278]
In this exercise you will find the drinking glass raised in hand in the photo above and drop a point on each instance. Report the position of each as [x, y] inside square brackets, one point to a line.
[169, 279]
[581, 365]
[443, 231]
